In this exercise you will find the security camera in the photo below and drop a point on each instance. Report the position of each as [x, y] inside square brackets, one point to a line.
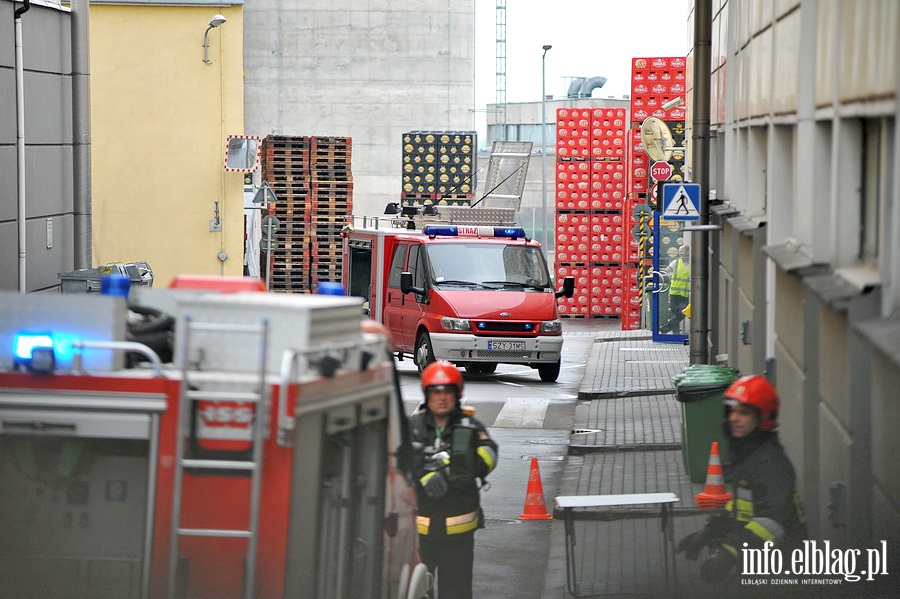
[672, 103]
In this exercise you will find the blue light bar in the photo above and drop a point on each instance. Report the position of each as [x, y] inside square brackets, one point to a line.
[473, 231]
[445, 230]
[25, 344]
[511, 232]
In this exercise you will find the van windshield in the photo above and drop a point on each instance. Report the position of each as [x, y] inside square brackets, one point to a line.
[487, 265]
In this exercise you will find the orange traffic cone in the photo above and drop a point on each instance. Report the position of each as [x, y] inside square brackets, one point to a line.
[535, 508]
[714, 496]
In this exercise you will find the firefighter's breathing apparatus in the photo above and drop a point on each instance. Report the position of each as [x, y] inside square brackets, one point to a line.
[456, 459]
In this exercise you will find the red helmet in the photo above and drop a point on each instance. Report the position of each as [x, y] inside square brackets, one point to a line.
[756, 390]
[442, 373]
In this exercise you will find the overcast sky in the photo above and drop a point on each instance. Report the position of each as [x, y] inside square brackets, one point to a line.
[589, 38]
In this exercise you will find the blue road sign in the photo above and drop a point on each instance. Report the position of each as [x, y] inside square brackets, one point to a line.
[681, 201]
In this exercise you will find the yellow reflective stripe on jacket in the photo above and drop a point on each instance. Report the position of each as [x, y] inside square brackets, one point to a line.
[766, 529]
[744, 510]
[743, 504]
[730, 549]
[488, 456]
[464, 523]
[454, 524]
[424, 480]
[760, 531]
[681, 279]
[423, 523]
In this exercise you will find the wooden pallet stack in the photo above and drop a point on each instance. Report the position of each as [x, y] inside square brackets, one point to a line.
[313, 183]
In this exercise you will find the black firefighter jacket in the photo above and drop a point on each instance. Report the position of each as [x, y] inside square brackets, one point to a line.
[765, 505]
[458, 511]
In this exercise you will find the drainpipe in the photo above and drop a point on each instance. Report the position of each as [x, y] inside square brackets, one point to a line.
[20, 139]
[699, 338]
[81, 135]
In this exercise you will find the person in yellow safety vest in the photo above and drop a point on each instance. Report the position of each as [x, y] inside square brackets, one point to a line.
[679, 289]
[765, 505]
[449, 498]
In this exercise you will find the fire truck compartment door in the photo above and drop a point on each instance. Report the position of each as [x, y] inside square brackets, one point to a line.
[75, 424]
[98, 417]
[77, 498]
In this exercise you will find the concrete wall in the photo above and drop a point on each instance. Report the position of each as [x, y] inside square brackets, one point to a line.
[47, 65]
[885, 441]
[367, 70]
[804, 107]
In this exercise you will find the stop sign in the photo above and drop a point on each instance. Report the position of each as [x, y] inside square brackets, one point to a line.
[661, 170]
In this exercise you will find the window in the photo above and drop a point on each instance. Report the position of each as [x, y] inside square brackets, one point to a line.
[489, 263]
[416, 266]
[360, 272]
[874, 158]
[397, 265]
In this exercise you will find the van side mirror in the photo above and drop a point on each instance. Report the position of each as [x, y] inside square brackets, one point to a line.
[406, 284]
[568, 288]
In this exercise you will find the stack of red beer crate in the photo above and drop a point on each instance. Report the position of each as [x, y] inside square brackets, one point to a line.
[313, 184]
[654, 82]
[590, 194]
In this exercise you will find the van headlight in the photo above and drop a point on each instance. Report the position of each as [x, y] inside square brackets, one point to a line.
[455, 324]
[551, 326]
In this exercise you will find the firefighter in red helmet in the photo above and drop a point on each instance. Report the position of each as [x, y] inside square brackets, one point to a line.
[765, 505]
[460, 454]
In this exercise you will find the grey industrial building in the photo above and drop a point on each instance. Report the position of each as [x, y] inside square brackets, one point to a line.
[365, 70]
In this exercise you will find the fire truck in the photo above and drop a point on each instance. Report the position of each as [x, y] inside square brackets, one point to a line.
[461, 283]
[255, 446]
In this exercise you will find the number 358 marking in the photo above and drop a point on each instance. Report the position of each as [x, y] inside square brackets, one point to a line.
[227, 414]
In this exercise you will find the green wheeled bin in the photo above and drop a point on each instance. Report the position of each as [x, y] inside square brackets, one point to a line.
[700, 388]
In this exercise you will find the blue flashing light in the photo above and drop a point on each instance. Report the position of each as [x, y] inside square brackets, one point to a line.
[330, 288]
[511, 232]
[482, 325]
[446, 230]
[25, 344]
[115, 284]
[529, 327]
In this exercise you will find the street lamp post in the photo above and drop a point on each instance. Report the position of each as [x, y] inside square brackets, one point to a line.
[544, 148]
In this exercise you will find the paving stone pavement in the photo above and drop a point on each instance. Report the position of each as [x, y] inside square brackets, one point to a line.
[626, 439]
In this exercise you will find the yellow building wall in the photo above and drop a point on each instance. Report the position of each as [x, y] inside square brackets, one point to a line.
[159, 120]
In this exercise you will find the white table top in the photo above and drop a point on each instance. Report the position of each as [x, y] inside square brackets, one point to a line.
[573, 501]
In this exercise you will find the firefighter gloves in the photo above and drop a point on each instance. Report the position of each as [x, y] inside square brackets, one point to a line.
[717, 567]
[692, 544]
[435, 484]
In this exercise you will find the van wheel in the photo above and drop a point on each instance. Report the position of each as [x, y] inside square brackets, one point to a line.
[549, 372]
[424, 355]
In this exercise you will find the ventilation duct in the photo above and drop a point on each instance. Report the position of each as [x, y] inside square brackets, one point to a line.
[582, 87]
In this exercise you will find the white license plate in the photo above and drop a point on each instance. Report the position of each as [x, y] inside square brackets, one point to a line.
[506, 346]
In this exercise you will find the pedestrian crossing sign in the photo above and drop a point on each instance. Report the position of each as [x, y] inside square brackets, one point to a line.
[681, 201]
